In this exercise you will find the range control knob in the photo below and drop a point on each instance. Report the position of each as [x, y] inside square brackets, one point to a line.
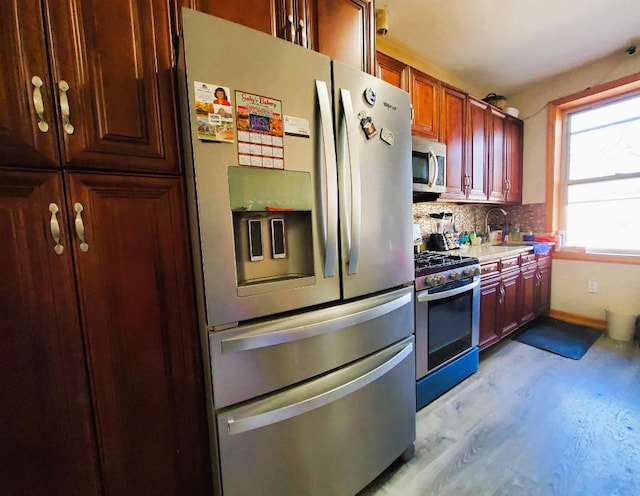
[471, 271]
[455, 275]
[430, 281]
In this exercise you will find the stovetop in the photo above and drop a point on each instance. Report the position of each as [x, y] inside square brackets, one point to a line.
[432, 262]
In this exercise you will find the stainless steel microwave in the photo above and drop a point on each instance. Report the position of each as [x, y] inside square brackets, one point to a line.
[429, 159]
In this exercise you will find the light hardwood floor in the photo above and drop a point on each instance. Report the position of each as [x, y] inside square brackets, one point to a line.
[530, 423]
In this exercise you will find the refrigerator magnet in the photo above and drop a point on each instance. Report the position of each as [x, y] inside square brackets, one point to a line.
[366, 123]
[370, 96]
[387, 136]
[214, 113]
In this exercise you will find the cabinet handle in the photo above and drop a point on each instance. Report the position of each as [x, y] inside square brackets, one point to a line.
[55, 228]
[501, 296]
[303, 33]
[64, 107]
[292, 28]
[38, 104]
[80, 227]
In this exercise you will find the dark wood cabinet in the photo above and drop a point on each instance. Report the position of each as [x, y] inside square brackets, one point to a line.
[85, 90]
[453, 132]
[392, 71]
[477, 162]
[513, 154]
[48, 444]
[97, 314]
[425, 98]
[489, 294]
[497, 156]
[509, 309]
[513, 292]
[341, 29]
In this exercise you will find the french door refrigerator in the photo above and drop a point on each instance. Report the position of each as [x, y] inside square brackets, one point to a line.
[299, 172]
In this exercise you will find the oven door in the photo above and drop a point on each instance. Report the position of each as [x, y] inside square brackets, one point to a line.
[447, 324]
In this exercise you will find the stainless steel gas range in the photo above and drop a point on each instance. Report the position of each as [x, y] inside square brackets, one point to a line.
[447, 322]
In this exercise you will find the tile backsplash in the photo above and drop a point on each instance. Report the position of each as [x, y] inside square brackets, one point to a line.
[471, 217]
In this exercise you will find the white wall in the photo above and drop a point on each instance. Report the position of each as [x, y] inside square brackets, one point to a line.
[619, 285]
[532, 104]
[618, 288]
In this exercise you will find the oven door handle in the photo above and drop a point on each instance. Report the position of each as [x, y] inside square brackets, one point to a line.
[424, 296]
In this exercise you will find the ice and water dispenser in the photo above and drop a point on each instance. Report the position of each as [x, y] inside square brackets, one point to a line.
[272, 228]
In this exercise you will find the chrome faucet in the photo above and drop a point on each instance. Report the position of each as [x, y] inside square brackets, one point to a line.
[486, 219]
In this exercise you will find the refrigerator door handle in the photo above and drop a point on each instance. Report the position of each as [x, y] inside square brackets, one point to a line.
[331, 178]
[354, 169]
[237, 426]
[248, 341]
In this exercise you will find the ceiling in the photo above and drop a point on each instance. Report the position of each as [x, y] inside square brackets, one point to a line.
[506, 45]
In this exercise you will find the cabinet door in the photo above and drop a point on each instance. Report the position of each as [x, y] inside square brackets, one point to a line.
[425, 98]
[256, 14]
[497, 157]
[544, 287]
[136, 297]
[115, 59]
[477, 156]
[453, 133]
[529, 290]
[47, 441]
[28, 133]
[489, 294]
[392, 71]
[344, 30]
[509, 302]
[513, 144]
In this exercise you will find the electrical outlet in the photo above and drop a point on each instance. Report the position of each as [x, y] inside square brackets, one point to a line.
[592, 286]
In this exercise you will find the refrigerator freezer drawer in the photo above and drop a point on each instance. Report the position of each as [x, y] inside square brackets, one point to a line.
[332, 435]
[257, 359]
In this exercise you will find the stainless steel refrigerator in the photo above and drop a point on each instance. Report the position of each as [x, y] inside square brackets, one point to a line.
[299, 172]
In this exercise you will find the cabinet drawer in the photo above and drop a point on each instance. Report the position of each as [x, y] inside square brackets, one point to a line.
[528, 258]
[489, 268]
[544, 259]
[510, 263]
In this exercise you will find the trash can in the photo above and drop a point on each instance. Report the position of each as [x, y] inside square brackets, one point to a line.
[620, 324]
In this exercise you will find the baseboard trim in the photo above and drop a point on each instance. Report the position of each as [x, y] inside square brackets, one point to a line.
[579, 319]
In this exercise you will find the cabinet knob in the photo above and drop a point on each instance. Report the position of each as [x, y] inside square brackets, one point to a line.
[292, 28]
[64, 107]
[303, 33]
[80, 227]
[55, 228]
[38, 103]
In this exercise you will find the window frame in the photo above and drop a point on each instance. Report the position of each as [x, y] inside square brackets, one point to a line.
[556, 154]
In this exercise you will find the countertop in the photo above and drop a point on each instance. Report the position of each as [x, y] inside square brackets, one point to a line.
[487, 252]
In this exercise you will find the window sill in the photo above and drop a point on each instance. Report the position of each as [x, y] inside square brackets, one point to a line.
[581, 255]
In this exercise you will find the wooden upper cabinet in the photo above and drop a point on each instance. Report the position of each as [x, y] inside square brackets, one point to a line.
[477, 149]
[107, 87]
[392, 71]
[28, 119]
[497, 156]
[256, 14]
[425, 98]
[45, 412]
[453, 115]
[345, 31]
[513, 145]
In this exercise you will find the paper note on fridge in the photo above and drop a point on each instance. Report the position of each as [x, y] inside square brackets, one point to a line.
[296, 126]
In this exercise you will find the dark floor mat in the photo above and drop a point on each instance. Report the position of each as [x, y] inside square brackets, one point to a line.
[561, 338]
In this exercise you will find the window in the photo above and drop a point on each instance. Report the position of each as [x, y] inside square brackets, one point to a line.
[601, 191]
[595, 169]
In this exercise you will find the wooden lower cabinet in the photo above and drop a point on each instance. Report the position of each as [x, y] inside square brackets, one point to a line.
[102, 373]
[513, 292]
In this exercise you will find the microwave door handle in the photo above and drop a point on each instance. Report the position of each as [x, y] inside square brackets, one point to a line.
[434, 169]
[424, 296]
[354, 170]
[330, 223]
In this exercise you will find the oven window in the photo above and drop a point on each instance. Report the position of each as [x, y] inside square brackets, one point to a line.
[449, 328]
